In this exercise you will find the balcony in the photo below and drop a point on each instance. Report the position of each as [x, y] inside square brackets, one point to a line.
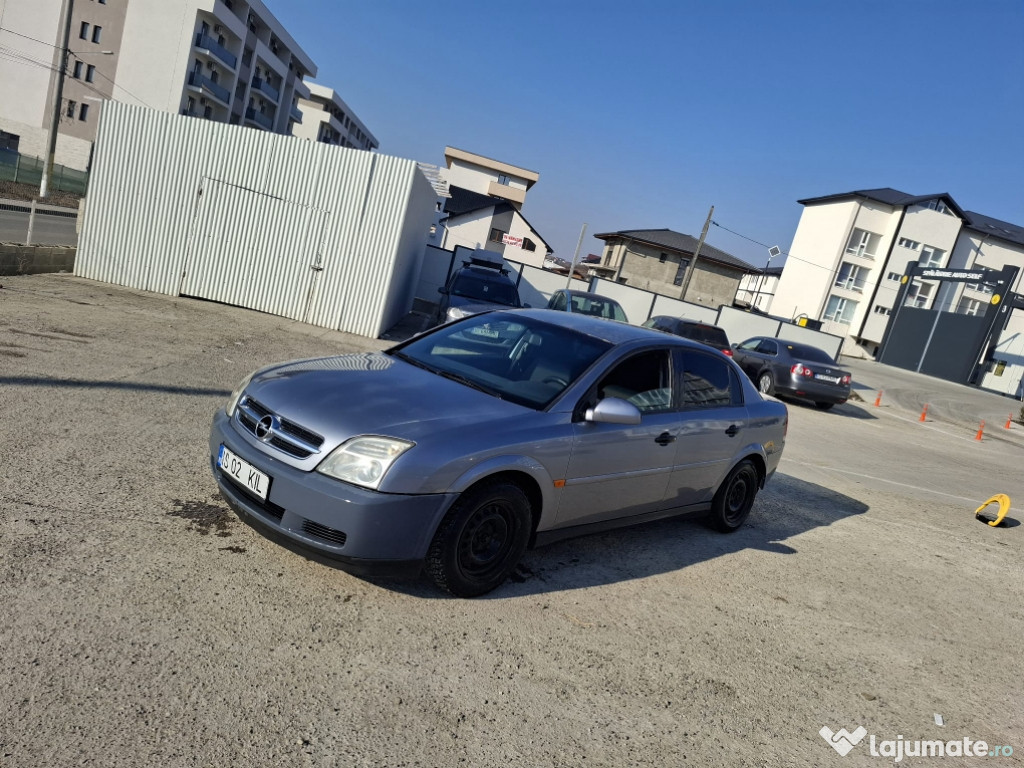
[296, 114]
[266, 89]
[206, 85]
[208, 45]
[263, 121]
[850, 284]
[514, 195]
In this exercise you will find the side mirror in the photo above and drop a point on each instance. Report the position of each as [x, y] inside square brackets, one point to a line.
[526, 306]
[613, 410]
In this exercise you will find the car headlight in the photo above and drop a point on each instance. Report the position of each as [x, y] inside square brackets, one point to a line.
[457, 313]
[363, 460]
[236, 395]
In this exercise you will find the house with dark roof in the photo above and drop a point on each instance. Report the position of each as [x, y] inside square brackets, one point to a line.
[483, 208]
[658, 260]
[851, 251]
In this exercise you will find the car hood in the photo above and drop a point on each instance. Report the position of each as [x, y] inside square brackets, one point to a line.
[374, 394]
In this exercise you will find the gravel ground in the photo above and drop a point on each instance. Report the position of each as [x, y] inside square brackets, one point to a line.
[143, 624]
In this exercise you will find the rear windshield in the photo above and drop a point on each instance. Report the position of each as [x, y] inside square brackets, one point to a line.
[711, 335]
[470, 286]
[587, 305]
[810, 354]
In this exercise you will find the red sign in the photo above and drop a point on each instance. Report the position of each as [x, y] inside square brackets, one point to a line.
[512, 240]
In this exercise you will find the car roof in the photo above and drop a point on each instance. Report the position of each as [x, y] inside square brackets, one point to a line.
[490, 272]
[586, 294]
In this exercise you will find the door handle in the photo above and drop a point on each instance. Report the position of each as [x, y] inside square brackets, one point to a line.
[664, 438]
[732, 431]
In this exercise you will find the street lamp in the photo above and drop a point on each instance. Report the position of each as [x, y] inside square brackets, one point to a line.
[772, 253]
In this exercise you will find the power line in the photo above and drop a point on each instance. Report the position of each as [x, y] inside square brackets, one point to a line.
[33, 39]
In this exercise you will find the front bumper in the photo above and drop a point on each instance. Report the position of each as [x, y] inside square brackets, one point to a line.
[358, 530]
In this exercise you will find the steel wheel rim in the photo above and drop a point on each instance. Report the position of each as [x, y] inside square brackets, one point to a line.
[486, 540]
[736, 497]
[764, 383]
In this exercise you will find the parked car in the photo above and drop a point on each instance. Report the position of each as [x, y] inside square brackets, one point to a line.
[477, 286]
[705, 333]
[797, 370]
[584, 303]
[456, 450]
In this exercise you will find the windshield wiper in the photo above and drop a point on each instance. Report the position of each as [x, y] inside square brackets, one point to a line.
[469, 383]
[411, 360]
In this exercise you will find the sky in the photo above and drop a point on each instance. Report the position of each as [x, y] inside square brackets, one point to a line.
[644, 114]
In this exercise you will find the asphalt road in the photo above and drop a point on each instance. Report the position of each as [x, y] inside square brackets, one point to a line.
[142, 624]
[49, 229]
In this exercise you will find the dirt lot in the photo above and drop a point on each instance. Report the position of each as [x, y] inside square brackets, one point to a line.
[142, 624]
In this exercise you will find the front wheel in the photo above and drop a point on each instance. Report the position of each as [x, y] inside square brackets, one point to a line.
[735, 497]
[480, 540]
[766, 383]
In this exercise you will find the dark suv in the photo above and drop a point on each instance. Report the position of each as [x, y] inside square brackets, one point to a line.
[705, 333]
[476, 287]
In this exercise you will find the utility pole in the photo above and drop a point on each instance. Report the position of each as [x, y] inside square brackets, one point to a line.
[696, 253]
[576, 255]
[58, 91]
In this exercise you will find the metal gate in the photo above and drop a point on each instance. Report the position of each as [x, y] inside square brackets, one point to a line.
[253, 250]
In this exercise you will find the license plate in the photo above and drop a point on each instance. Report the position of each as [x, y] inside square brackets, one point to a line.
[829, 379]
[243, 473]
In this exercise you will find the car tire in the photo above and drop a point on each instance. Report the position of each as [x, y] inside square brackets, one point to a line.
[735, 497]
[766, 383]
[823, 406]
[480, 540]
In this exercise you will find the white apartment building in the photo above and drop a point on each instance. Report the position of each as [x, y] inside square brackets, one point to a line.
[483, 208]
[328, 119]
[851, 250]
[224, 60]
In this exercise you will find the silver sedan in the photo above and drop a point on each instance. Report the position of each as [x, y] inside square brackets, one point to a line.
[455, 451]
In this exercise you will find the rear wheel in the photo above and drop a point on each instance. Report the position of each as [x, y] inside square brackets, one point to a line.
[735, 497]
[823, 406]
[766, 383]
[480, 540]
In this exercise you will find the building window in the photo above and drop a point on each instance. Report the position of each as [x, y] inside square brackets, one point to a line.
[504, 180]
[894, 276]
[979, 288]
[968, 306]
[662, 258]
[496, 235]
[76, 72]
[939, 206]
[863, 243]
[851, 277]
[919, 294]
[83, 31]
[529, 245]
[72, 108]
[931, 257]
[840, 310]
[83, 112]
[880, 310]
[96, 32]
[908, 243]
[680, 272]
[90, 72]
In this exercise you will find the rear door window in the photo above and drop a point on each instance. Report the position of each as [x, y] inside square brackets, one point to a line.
[708, 381]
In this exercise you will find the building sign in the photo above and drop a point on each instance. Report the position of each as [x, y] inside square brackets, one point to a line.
[955, 275]
[512, 240]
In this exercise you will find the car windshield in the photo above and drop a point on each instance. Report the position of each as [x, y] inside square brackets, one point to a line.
[598, 307]
[522, 360]
[709, 334]
[810, 354]
[484, 288]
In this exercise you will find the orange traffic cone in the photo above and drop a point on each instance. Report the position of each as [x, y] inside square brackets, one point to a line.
[878, 400]
[1008, 420]
[924, 412]
[981, 430]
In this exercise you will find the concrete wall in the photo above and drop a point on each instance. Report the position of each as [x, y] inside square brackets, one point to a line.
[35, 259]
[642, 267]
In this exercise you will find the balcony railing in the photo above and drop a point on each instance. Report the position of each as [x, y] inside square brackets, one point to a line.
[219, 92]
[861, 252]
[266, 89]
[851, 284]
[262, 120]
[208, 44]
[296, 114]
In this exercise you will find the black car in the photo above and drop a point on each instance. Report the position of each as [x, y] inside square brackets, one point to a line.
[705, 333]
[479, 285]
[798, 370]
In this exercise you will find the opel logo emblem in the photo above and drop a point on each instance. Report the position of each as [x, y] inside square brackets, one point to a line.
[265, 428]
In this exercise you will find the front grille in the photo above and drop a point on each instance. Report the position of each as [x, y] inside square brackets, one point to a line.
[289, 437]
[323, 532]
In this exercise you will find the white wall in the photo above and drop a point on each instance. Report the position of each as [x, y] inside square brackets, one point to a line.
[1009, 349]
